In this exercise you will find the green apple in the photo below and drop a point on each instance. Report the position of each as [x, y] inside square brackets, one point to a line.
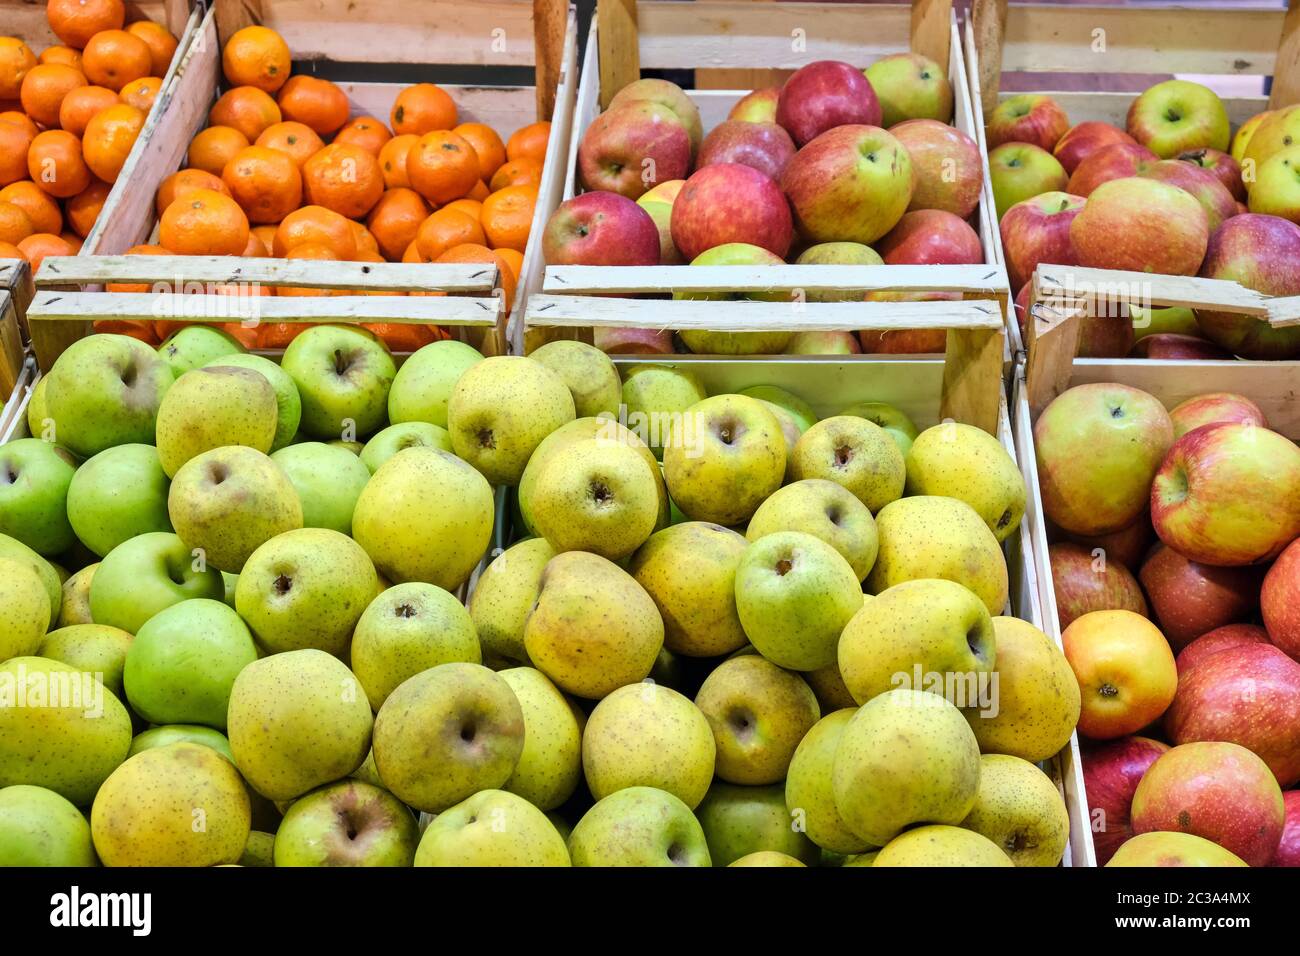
[93, 648]
[897, 425]
[655, 396]
[354, 447]
[1158, 848]
[725, 456]
[906, 757]
[104, 390]
[639, 826]
[74, 607]
[910, 86]
[1021, 171]
[739, 821]
[833, 254]
[800, 410]
[736, 343]
[424, 382]
[229, 582]
[408, 629]
[759, 713]
[964, 462]
[936, 846]
[387, 442]
[645, 735]
[24, 609]
[928, 536]
[228, 501]
[179, 805]
[305, 589]
[795, 593]
[689, 571]
[197, 345]
[809, 795]
[503, 597]
[827, 684]
[15, 550]
[214, 407]
[492, 828]
[183, 662]
[259, 850]
[34, 480]
[146, 574]
[589, 374]
[297, 720]
[38, 414]
[172, 733]
[71, 744]
[40, 828]
[1020, 810]
[118, 494]
[855, 453]
[343, 374]
[447, 733]
[287, 401]
[1173, 319]
[550, 766]
[1178, 115]
[826, 511]
[348, 823]
[500, 410]
[592, 628]
[328, 481]
[425, 515]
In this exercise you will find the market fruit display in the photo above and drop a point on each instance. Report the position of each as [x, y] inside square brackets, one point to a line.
[1174, 574]
[837, 166]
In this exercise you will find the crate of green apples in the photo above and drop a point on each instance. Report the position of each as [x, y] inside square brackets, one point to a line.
[232, 582]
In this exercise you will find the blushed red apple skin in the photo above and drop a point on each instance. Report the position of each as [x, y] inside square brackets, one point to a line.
[1262, 253]
[1037, 231]
[931, 237]
[1279, 600]
[1215, 407]
[728, 203]
[1288, 850]
[1226, 169]
[1171, 346]
[1042, 126]
[633, 341]
[600, 229]
[1141, 225]
[1128, 545]
[617, 145]
[1084, 139]
[1202, 184]
[947, 168]
[1190, 599]
[764, 146]
[1220, 639]
[1249, 695]
[1215, 790]
[1116, 161]
[1080, 587]
[824, 95]
[1111, 772]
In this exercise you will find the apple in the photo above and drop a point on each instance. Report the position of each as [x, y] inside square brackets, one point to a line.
[1111, 772]
[1105, 336]
[1128, 545]
[1224, 168]
[35, 480]
[38, 827]
[639, 826]
[145, 575]
[328, 480]
[1027, 118]
[634, 341]
[1126, 672]
[1174, 320]
[906, 341]
[631, 147]
[947, 168]
[666, 94]
[1288, 850]
[1275, 132]
[1190, 599]
[757, 107]
[910, 86]
[1215, 407]
[600, 229]
[1279, 600]
[1114, 161]
[1262, 253]
[1241, 139]
[1141, 225]
[658, 202]
[1250, 695]
[1208, 190]
[423, 384]
[823, 95]
[192, 346]
[288, 402]
[766, 147]
[1177, 115]
[215, 407]
[1220, 639]
[1215, 790]
[1020, 171]
[850, 183]
[348, 823]
[823, 343]
[343, 374]
[1228, 494]
[1167, 346]
[1084, 139]
[1086, 582]
[931, 237]
[492, 828]
[736, 343]
[726, 203]
[1036, 231]
[837, 253]
[1162, 849]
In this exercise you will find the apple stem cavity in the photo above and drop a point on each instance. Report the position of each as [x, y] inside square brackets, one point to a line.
[404, 610]
[283, 584]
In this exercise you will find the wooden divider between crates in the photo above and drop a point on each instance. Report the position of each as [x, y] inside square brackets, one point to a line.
[15, 295]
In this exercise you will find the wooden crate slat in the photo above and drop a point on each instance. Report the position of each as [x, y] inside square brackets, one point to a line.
[979, 280]
[1148, 288]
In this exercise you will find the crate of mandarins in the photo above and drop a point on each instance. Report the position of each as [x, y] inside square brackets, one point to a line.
[273, 198]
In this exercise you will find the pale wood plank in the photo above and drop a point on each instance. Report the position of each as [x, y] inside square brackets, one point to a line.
[988, 24]
[551, 26]
[978, 280]
[1052, 341]
[972, 376]
[11, 344]
[620, 62]
[1145, 288]
[931, 29]
[1286, 71]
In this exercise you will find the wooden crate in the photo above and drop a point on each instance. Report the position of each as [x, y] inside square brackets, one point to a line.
[724, 41]
[540, 33]
[15, 294]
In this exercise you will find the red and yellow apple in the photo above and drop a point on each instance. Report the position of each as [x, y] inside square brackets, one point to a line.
[1262, 253]
[824, 95]
[1141, 225]
[931, 237]
[947, 168]
[1125, 670]
[1190, 599]
[600, 229]
[727, 203]
[1027, 118]
[1084, 139]
[1036, 231]
[1111, 772]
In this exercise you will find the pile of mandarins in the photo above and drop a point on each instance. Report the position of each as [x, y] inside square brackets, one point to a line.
[68, 120]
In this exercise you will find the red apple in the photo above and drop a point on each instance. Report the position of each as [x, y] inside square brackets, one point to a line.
[1021, 307]
[1084, 139]
[1141, 225]
[1262, 253]
[1105, 336]
[824, 95]
[1215, 407]
[728, 203]
[1228, 494]
[600, 229]
[756, 107]
[1288, 849]
[1189, 599]
[1249, 695]
[764, 146]
[1220, 639]
[931, 237]
[1128, 545]
[630, 148]
[947, 169]
[1170, 346]
[1202, 184]
[1027, 118]
[1111, 772]
[851, 183]
[1125, 671]
[1083, 582]
[666, 94]
[1116, 161]
[633, 341]
[1223, 166]
[1279, 599]
[1038, 231]
[907, 341]
[1215, 790]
